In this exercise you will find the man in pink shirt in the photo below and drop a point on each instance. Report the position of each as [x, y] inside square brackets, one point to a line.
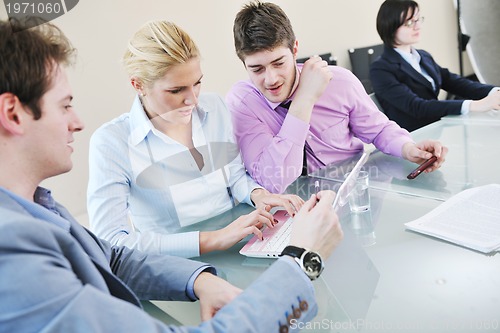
[289, 117]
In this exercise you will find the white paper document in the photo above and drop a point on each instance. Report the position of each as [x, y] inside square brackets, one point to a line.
[470, 218]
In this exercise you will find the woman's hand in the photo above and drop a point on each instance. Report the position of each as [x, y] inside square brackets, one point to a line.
[263, 198]
[490, 102]
[237, 230]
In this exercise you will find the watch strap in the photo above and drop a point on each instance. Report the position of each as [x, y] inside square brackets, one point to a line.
[293, 251]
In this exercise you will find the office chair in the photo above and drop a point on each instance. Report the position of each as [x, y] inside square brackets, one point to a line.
[375, 100]
[361, 60]
[328, 57]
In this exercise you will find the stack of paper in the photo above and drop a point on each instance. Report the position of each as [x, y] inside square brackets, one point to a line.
[471, 219]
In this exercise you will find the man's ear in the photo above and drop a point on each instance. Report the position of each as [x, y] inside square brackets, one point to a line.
[295, 49]
[11, 113]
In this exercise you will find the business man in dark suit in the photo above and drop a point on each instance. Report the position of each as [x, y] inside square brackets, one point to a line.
[407, 81]
[56, 276]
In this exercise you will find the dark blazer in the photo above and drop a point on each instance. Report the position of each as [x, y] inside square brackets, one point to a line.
[408, 98]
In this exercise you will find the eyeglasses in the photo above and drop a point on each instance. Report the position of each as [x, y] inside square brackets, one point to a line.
[413, 23]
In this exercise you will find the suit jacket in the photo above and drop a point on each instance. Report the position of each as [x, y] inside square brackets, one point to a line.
[58, 280]
[408, 98]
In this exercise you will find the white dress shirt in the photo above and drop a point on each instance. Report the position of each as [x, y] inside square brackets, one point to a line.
[137, 173]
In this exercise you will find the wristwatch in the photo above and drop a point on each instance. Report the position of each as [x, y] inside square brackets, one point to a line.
[310, 262]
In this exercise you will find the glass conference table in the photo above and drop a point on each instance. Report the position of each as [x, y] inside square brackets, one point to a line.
[473, 154]
[381, 278]
[490, 116]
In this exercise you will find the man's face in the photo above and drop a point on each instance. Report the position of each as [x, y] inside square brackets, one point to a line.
[49, 137]
[273, 72]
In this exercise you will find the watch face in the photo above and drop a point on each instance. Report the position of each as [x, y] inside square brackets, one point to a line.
[313, 264]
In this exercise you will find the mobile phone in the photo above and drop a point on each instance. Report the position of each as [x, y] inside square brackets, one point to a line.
[422, 167]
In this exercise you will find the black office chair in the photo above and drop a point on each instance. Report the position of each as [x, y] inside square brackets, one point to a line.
[328, 57]
[375, 100]
[361, 60]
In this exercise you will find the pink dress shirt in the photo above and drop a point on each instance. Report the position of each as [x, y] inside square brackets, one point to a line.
[272, 141]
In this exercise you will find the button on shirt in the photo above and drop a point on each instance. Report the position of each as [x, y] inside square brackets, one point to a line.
[342, 119]
[137, 171]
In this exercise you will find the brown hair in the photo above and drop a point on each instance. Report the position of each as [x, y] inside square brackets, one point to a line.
[261, 26]
[30, 50]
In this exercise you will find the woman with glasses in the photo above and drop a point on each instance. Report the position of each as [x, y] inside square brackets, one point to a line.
[407, 81]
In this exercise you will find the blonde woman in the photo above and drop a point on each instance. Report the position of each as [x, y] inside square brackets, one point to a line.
[172, 160]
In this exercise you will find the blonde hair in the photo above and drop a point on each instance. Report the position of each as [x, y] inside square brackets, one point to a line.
[155, 48]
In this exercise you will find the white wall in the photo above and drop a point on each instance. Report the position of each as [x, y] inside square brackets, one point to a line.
[100, 30]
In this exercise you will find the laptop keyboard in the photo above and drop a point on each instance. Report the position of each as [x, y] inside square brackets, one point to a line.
[275, 239]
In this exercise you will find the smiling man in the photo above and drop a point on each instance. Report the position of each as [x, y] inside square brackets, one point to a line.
[291, 119]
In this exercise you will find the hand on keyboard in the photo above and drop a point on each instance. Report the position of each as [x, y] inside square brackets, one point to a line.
[237, 230]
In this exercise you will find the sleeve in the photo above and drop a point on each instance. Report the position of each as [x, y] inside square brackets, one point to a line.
[294, 294]
[146, 274]
[462, 86]
[390, 89]
[66, 304]
[273, 159]
[372, 126]
[108, 199]
[39, 282]
[240, 182]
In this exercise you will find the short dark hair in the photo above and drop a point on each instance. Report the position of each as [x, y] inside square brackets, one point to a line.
[261, 26]
[30, 49]
[391, 15]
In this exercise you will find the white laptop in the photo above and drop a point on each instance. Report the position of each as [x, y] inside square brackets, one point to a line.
[277, 238]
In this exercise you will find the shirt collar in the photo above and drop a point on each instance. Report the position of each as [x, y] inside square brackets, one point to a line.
[44, 197]
[43, 207]
[140, 125]
[412, 57]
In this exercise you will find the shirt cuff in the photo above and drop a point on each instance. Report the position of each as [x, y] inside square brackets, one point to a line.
[493, 90]
[465, 107]
[292, 263]
[190, 285]
[294, 129]
[249, 196]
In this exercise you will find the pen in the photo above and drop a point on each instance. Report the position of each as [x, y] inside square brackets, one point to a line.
[316, 188]
[422, 167]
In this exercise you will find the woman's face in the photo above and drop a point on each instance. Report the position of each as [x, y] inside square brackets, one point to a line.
[174, 96]
[409, 33]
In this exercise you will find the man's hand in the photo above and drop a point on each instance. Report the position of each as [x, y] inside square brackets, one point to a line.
[213, 293]
[313, 80]
[422, 151]
[316, 226]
